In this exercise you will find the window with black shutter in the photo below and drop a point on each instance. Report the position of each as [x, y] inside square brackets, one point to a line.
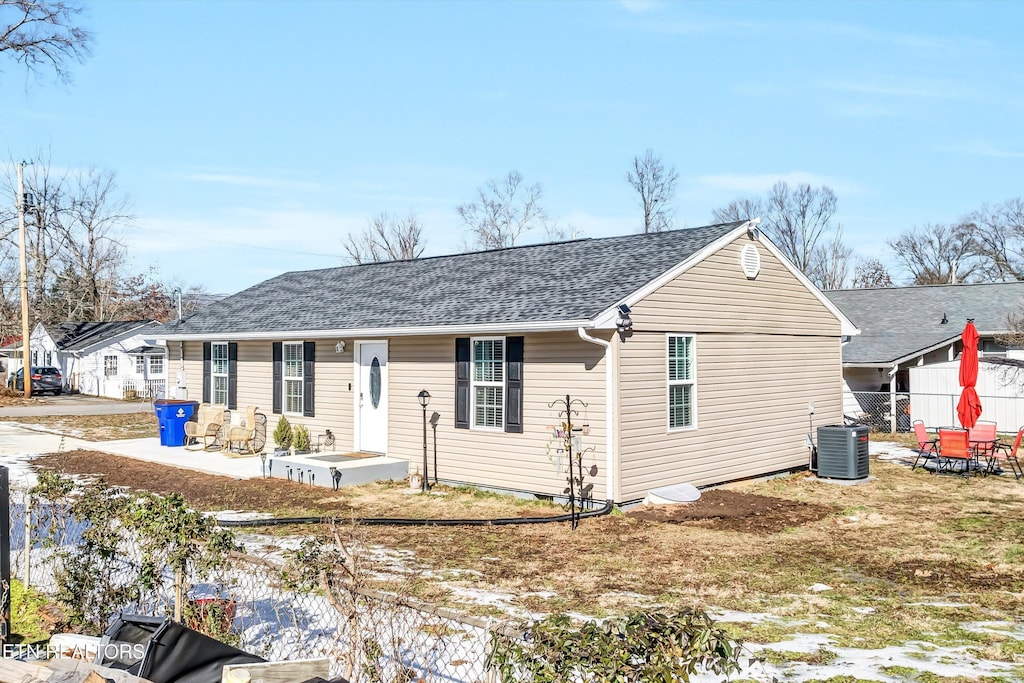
[489, 383]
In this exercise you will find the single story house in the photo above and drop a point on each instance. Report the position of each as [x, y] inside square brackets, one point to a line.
[905, 327]
[697, 356]
[117, 359]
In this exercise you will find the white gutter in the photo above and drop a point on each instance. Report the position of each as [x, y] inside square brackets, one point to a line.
[368, 332]
[609, 429]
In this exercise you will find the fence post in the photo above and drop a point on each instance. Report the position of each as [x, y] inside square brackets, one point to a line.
[5, 555]
[27, 555]
[179, 595]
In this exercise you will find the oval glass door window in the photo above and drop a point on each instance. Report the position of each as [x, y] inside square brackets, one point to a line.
[375, 382]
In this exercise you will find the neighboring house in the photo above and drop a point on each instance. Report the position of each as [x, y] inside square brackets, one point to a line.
[119, 359]
[902, 327]
[698, 354]
[905, 327]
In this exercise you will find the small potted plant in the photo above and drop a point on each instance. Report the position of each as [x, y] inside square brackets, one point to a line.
[283, 436]
[300, 438]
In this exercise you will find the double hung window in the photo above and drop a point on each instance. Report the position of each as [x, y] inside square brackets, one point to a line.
[682, 384]
[219, 373]
[488, 382]
[292, 358]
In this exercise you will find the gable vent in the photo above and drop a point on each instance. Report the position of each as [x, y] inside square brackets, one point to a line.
[750, 261]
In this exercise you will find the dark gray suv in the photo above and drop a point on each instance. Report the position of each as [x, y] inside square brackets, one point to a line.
[44, 379]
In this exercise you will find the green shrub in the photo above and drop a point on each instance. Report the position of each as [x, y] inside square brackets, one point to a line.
[642, 646]
[283, 433]
[300, 438]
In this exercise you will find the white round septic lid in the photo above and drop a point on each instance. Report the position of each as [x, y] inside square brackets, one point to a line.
[676, 493]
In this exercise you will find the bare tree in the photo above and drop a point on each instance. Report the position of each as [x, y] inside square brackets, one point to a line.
[871, 274]
[387, 238]
[739, 210]
[655, 186]
[999, 235]
[831, 268]
[43, 34]
[75, 256]
[938, 254]
[801, 222]
[96, 216]
[505, 208]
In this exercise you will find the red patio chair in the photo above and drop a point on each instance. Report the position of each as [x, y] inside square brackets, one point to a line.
[983, 437]
[1004, 452]
[926, 448]
[954, 450]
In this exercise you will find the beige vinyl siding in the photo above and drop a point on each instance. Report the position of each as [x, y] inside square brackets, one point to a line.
[333, 396]
[715, 295]
[553, 365]
[753, 392]
[765, 348]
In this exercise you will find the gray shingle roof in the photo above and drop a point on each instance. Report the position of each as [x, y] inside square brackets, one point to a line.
[72, 336]
[898, 322]
[536, 283]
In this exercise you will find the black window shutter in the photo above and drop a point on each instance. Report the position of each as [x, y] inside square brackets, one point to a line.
[514, 385]
[463, 366]
[207, 367]
[308, 383]
[232, 376]
[278, 383]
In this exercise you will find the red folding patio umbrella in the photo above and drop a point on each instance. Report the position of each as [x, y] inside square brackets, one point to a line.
[969, 408]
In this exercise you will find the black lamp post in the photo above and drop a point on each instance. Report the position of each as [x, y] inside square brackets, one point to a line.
[424, 398]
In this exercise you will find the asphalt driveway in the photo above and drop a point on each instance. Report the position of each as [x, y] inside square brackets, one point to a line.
[75, 404]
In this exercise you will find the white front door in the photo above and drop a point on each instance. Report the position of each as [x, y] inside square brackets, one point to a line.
[372, 399]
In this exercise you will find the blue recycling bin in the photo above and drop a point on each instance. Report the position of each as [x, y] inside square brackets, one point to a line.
[172, 415]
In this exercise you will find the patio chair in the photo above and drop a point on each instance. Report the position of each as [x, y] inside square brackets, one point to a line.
[954, 450]
[1004, 452]
[206, 427]
[983, 437]
[926, 448]
[244, 434]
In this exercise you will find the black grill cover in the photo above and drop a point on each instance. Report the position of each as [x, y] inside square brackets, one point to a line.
[173, 653]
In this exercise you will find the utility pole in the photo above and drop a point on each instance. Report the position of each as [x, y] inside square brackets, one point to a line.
[26, 364]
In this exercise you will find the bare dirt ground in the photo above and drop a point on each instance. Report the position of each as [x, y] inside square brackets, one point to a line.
[133, 425]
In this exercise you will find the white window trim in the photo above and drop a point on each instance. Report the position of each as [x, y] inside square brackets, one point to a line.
[214, 375]
[473, 384]
[301, 378]
[114, 364]
[163, 364]
[669, 383]
[140, 360]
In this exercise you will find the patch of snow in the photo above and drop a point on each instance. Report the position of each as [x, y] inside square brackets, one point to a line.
[819, 588]
[864, 610]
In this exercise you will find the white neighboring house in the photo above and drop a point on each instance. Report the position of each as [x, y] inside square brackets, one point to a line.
[115, 359]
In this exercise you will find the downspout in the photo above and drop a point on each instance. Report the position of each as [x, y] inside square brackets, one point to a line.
[609, 429]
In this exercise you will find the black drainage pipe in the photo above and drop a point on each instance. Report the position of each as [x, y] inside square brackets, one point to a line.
[389, 521]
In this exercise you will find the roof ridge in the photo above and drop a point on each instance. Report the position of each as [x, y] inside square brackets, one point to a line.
[532, 245]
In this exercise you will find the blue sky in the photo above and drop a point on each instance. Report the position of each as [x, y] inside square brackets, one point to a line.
[251, 137]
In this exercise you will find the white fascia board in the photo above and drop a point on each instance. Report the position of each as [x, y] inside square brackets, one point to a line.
[927, 349]
[384, 332]
[607, 317]
[846, 326]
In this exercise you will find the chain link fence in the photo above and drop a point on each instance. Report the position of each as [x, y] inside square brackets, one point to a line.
[264, 600]
[878, 411]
